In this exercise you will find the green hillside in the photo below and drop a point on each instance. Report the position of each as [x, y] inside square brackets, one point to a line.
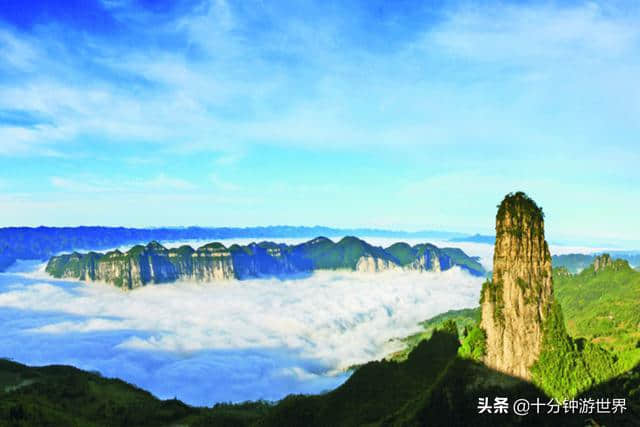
[65, 396]
[434, 386]
[603, 307]
[465, 319]
[572, 262]
[344, 254]
[402, 252]
[458, 256]
[575, 263]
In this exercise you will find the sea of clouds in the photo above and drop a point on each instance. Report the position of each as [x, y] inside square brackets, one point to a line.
[234, 341]
[237, 341]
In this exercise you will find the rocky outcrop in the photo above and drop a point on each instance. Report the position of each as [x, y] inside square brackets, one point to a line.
[519, 298]
[601, 262]
[605, 262]
[143, 265]
[153, 263]
[427, 257]
[369, 264]
[423, 263]
[208, 263]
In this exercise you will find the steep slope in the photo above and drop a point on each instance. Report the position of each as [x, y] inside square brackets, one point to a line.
[267, 259]
[466, 319]
[65, 396]
[375, 391]
[519, 299]
[423, 257]
[458, 257]
[523, 323]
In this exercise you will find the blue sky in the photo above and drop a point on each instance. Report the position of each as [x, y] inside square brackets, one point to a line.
[377, 114]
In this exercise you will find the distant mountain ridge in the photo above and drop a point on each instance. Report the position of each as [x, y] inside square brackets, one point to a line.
[153, 263]
[476, 238]
[575, 263]
[43, 242]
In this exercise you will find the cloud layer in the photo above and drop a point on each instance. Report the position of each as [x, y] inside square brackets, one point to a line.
[208, 343]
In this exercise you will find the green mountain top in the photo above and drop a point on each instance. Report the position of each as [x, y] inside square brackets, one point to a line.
[519, 201]
[602, 306]
[402, 252]
[212, 247]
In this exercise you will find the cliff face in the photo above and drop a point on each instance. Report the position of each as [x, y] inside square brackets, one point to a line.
[601, 262]
[208, 263]
[427, 257]
[267, 259]
[369, 264]
[142, 265]
[518, 300]
[153, 263]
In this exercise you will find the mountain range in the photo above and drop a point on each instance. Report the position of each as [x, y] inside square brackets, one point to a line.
[575, 263]
[43, 242]
[154, 263]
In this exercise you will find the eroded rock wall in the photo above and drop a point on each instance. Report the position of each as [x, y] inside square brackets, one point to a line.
[518, 299]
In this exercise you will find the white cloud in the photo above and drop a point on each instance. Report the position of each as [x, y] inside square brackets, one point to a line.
[17, 52]
[227, 96]
[530, 34]
[84, 184]
[163, 181]
[303, 332]
[222, 184]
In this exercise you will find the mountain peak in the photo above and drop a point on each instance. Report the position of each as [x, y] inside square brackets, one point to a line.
[601, 262]
[519, 298]
[519, 204]
[604, 261]
[351, 239]
[155, 245]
